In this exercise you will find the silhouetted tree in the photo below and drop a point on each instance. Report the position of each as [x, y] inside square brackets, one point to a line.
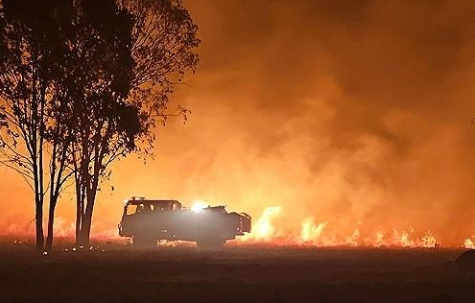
[34, 136]
[108, 126]
[66, 70]
[162, 46]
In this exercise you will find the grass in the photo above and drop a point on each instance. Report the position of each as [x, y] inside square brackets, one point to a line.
[244, 275]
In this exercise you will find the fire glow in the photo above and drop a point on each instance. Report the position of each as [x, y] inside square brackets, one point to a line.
[319, 234]
[266, 231]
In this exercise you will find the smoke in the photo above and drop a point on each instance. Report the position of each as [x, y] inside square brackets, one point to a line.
[355, 114]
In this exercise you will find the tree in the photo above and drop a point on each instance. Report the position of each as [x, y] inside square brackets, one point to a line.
[65, 72]
[162, 46]
[34, 136]
[107, 125]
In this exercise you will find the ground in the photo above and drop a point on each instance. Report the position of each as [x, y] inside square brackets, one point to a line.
[248, 275]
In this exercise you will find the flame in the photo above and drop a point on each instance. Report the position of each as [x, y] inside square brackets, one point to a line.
[469, 243]
[403, 239]
[379, 241]
[429, 241]
[263, 227]
[310, 233]
[263, 230]
[314, 234]
[353, 239]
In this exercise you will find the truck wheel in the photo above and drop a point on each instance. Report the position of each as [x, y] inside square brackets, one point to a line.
[144, 242]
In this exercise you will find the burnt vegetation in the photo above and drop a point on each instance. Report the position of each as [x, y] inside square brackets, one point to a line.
[82, 84]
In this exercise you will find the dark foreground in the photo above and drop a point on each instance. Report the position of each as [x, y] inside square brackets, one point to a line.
[234, 275]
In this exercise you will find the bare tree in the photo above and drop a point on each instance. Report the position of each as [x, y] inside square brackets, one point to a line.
[163, 41]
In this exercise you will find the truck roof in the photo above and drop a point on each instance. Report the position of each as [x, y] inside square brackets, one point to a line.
[135, 201]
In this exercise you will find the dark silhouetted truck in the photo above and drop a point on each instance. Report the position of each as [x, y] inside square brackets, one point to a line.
[146, 221]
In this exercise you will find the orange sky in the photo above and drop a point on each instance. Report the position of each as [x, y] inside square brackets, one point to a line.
[354, 113]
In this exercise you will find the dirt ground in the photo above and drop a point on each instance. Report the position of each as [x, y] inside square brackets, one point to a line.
[120, 274]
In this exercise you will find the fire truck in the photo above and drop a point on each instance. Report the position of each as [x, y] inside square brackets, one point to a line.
[148, 221]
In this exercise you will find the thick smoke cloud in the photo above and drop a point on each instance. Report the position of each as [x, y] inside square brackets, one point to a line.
[355, 113]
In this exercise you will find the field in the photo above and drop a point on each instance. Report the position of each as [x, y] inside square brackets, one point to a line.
[119, 274]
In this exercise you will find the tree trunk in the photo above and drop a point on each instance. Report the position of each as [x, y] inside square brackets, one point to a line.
[85, 228]
[87, 218]
[49, 238]
[79, 215]
[40, 237]
[85, 231]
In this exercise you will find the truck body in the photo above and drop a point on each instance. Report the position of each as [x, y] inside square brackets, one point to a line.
[146, 221]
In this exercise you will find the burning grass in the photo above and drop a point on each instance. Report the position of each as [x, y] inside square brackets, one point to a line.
[267, 232]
